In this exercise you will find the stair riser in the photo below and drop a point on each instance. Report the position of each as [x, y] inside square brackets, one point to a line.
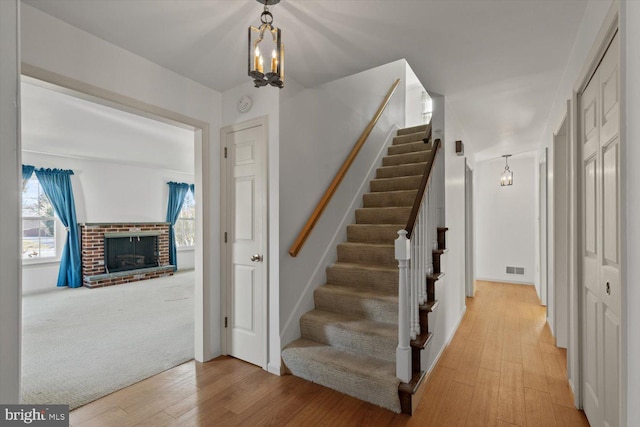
[391, 199]
[380, 234]
[379, 388]
[408, 158]
[412, 137]
[395, 184]
[367, 308]
[410, 147]
[383, 215]
[367, 255]
[364, 279]
[400, 170]
[414, 129]
[335, 336]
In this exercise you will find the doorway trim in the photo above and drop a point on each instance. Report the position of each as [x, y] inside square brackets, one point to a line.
[224, 257]
[204, 207]
[608, 30]
[470, 288]
[559, 260]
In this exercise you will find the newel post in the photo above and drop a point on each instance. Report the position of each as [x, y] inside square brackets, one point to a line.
[403, 352]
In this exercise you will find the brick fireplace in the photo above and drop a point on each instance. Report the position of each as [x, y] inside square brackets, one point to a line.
[99, 270]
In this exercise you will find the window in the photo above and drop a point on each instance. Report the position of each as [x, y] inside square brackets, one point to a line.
[185, 228]
[38, 223]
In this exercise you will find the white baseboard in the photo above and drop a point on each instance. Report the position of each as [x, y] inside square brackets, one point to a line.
[447, 342]
[275, 369]
[515, 282]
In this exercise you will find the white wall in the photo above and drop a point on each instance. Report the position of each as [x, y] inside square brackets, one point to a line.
[318, 129]
[592, 21]
[107, 192]
[50, 44]
[10, 306]
[506, 219]
[450, 290]
[114, 192]
[266, 102]
[630, 89]
[413, 99]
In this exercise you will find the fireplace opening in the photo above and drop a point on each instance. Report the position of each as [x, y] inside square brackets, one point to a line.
[130, 253]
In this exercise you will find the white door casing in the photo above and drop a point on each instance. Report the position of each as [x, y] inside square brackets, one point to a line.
[245, 227]
[601, 255]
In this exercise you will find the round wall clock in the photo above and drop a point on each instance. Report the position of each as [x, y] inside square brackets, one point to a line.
[244, 104]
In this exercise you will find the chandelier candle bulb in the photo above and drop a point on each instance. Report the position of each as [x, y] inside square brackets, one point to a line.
[274, 62]
[256, 62]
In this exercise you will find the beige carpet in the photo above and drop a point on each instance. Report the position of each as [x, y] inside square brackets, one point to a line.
[349, 341]
[81, 344]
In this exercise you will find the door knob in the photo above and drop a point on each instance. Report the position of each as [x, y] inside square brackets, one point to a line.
[608, 289]
[256, 258]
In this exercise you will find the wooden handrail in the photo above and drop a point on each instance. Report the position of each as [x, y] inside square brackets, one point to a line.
[324, 201]
[423, 186]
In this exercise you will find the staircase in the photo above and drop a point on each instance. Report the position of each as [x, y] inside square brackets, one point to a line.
[349, 340]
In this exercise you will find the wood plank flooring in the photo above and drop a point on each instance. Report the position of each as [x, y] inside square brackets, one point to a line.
[501, 369]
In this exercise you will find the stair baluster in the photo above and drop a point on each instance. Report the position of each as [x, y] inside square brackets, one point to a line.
[403, 352]
[414, 286]
[422, 236]
[413, 250]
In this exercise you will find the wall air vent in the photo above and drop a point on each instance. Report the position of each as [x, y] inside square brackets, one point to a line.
[515, 270]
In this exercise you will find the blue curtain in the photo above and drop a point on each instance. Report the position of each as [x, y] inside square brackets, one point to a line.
[192, 187]
[177, 191]
[27, 171]
[56, 184]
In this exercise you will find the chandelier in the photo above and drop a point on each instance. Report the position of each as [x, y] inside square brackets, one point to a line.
[506, 178]
[271, 73]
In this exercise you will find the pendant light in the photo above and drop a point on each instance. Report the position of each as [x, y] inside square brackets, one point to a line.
[506, 178]
[266, 40]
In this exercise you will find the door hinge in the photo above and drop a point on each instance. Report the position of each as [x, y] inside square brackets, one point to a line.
[225, 322]
[225, 237]
[225, 152]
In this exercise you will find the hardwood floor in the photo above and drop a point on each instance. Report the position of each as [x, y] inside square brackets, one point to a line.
[501, 369]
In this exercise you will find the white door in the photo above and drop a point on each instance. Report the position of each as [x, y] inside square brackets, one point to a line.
[246, 213]
[600, 124]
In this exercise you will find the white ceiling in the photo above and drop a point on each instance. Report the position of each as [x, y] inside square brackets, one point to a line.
[60, 124]
[498, 62]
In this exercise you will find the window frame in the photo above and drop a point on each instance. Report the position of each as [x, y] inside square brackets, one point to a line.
[58, 232]
[181, 219]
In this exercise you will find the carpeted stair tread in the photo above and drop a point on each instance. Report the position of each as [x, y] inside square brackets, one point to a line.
[410, 137]
[400, 170]
[364, 377]
[373, 233]
[349, 340]
[409, 147]
[351, 333]
[396, 183]
[367, 304]
[383, 215]
[383, 199]
[413, 129]
[367, 253]
[364, 276]
[406, 158]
